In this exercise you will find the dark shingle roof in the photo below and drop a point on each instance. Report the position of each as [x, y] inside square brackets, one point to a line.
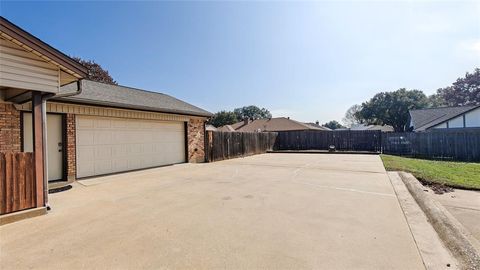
[95, 93]
[424, 119]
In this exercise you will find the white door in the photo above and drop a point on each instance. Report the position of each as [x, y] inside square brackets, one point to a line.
[54, 143]
[108, 145]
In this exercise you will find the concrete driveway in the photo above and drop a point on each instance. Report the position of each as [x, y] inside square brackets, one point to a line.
[275, 211]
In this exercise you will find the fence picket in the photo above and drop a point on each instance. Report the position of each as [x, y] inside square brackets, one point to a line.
[457, 144]
[227, 145]
[17, 186]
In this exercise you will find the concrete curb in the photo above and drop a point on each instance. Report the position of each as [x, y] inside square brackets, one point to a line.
[17, 216]
[452, 233]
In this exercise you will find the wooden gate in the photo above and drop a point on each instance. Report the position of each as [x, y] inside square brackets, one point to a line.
[17, 182]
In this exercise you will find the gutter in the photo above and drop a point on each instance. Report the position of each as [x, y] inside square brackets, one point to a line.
[44, 123]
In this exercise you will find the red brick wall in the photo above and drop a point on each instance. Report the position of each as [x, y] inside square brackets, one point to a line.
[196, 140]
[9, 128]
[71, 149]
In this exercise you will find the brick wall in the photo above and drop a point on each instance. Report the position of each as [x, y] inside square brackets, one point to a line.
[196, 140]
[9, 128]
[70, 147]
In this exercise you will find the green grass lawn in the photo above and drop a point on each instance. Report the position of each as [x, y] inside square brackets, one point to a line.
[454, 174]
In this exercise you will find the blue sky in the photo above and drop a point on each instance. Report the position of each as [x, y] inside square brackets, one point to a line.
[307, 60]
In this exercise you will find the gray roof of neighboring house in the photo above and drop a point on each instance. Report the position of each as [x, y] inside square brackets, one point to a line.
[318, 126]
[95, 93]
[384, 128]
[274, 124]
[209, 127]
[226, 128]
[424, 119]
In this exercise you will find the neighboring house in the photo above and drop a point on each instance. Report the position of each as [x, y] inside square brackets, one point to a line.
[272, 124]
[384, 128]
[226, 128]
[210, 128]
[317, 125]
[92, 128]
[445, 118]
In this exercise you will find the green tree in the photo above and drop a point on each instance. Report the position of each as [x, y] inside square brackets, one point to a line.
[392, 108]
[436, 100]
[333, 125]
[223, 118]
[464, 91]
[95, 71]
[251, 112]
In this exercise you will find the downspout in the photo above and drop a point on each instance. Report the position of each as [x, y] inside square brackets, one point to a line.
[44, 124]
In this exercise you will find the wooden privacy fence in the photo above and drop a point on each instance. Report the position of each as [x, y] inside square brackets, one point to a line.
[343, 140]
[455, 144]
[226, 145]
[17, 182]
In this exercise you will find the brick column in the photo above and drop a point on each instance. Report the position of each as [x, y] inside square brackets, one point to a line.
[71, 147]
[9, 128]
[196, 140]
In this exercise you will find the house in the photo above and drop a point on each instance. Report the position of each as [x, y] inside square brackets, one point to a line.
[30, 71]
[272, 124]
[109, 128]
[445, 118]
[91, 128]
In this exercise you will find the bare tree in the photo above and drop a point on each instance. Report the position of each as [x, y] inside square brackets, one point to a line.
[351, 116]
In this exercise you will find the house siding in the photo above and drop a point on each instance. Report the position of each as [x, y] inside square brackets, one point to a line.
[196, 140]
[25, 70]
[467, 120]
[472, 118]
[9, 128]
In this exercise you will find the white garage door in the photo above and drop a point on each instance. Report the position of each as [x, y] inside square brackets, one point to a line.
[108, 145]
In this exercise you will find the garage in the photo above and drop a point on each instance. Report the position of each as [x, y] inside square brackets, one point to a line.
[109, 145]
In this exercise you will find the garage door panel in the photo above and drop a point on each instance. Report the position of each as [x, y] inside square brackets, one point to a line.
[133, 164]
[86, 153]
[87, 168]
[85, 137]
[119, 165]
[102, 137]
[103, 123]
[85, 122]
[119, 150]
[103, 166]
[119, 124]
[103, 152]
[107, 145]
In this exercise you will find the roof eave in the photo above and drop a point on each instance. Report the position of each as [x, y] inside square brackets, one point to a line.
[132, 107]
[40, 48]
[427, 126]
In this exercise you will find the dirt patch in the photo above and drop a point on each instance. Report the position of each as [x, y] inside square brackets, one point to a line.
[436, 187]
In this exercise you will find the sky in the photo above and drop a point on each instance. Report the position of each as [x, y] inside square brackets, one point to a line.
[306, 60]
